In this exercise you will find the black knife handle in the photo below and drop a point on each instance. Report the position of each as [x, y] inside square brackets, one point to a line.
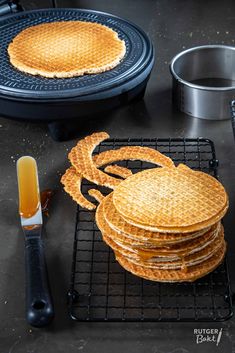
[39, 306]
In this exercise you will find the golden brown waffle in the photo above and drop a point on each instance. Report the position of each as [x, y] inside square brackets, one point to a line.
[105, 228]
[75, 189]
[182, 230]
[149, 250]
[66, 49]
[118, 170]
[180, 275]
[133, 153]
[118, 224]
[81, 158]
[179, 249]
[72, 185]
[166, 262]
[170, 249]
[171, 199]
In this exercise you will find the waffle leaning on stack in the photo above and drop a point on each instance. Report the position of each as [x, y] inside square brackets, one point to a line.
[164, 224]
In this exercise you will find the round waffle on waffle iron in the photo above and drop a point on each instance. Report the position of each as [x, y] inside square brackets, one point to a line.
[66, 49]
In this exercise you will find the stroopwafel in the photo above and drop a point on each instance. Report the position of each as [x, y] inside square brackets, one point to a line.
[171, 199]
[66, 49]
[121, 226]
[81, 158]
[179, 275]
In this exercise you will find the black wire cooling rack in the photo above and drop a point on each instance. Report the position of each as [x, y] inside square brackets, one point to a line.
[101, 290]
[233, 116]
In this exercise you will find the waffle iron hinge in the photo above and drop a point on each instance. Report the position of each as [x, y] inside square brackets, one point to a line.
[7, 7]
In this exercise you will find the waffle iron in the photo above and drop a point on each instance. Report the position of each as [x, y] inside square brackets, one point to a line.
[34, 98]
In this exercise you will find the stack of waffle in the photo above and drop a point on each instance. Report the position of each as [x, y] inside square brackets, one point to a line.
[164, 223]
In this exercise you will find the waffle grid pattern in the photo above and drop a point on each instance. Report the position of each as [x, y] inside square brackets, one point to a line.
[100, 290]
[12, 81]
[66, 49]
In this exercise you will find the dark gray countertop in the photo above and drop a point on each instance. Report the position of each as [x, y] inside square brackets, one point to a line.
[172, 25]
